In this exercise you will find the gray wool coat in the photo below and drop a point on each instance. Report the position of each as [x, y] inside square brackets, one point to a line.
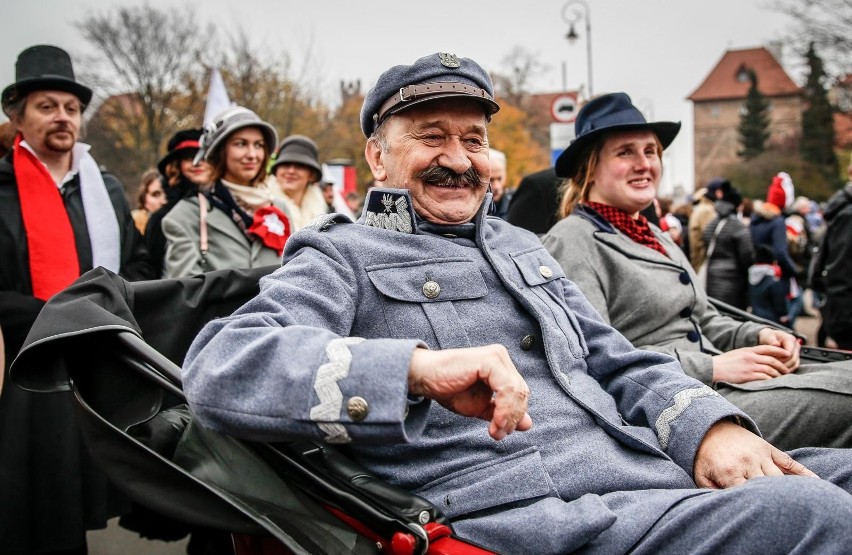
[323, 353]
[655, 302]
[228, 246]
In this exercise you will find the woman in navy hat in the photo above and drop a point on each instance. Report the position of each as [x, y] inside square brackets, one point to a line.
[236, 223]
[644, 286]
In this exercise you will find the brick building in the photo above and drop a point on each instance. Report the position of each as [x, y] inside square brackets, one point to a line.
[718, 103]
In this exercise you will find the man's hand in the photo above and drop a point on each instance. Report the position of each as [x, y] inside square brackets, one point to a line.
[778, 338]
[761, 362]
[478, 381]
[729, 455]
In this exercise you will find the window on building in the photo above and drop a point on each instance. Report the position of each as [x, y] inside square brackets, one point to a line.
[715, 111]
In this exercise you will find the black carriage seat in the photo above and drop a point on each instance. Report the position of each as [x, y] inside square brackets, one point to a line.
[310, 498]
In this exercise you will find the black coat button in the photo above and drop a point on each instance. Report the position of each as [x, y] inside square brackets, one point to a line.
[686, 312]
[693, 336]
[527, 342]
[684, 278]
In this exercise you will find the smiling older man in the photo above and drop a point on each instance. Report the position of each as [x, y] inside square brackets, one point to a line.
[447, 349]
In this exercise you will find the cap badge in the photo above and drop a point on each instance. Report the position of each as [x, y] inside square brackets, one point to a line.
[449, 60]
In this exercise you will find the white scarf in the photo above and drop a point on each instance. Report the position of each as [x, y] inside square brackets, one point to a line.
[313, 205]
[101, 221]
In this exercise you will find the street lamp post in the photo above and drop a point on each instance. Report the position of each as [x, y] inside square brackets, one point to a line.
[572, 18]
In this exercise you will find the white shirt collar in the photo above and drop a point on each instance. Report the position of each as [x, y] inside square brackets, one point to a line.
[76, 153]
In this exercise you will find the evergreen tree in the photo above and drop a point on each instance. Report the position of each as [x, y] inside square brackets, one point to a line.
[817, 144]
[754, 121]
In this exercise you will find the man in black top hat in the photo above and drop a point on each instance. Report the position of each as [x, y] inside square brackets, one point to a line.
[59, 217]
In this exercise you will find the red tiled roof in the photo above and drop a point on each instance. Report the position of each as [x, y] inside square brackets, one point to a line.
[722, 83]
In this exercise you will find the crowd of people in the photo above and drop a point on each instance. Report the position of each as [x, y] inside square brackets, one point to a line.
[620, 407]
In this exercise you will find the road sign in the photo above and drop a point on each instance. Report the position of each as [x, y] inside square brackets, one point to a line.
[563, 109]
[561, 135]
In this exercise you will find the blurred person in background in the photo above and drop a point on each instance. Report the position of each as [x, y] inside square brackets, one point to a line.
[294, 179]
[500, 196]
[150, 197]
[182, 178]
[733, 254]
[235, 223]
[769, 227]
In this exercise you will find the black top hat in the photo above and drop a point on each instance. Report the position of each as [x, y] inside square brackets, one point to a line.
[606, 113]
[44, 67]
[183, 143]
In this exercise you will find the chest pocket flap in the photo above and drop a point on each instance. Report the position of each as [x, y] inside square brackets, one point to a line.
[537, 266]
[429, 281]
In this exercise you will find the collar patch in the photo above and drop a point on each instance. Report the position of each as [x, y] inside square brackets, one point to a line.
[389, 210]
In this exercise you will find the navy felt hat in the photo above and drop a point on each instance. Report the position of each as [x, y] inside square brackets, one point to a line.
[431, 77]
[44, 68]
[609, 112]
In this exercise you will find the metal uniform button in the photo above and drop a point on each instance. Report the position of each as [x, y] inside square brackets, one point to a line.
[357, 408]
[527, 342]
[431, 289]
[545, 272]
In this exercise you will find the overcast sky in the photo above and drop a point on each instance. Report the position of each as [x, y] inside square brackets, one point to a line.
[658, 51]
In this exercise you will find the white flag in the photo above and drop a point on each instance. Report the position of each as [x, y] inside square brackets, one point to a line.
[217, 98]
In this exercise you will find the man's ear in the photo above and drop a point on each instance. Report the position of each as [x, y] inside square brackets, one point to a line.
[373, 153]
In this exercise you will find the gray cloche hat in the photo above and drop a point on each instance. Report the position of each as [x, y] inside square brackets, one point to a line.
[431, 77]
[233, 119]
[41, 68]
[298, 149]
[606, 113]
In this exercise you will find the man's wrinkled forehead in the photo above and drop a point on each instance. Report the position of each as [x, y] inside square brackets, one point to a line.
[451, 114]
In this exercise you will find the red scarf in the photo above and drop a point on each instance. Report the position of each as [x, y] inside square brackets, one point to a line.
[636, 229]
[50, 238]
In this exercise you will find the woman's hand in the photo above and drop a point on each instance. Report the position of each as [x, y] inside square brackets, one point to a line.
[760, 362]
[778, 338]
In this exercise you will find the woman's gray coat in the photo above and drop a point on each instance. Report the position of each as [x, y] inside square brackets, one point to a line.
[654, 301]
[228, 246]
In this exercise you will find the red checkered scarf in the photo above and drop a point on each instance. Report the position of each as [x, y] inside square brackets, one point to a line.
[636, 229]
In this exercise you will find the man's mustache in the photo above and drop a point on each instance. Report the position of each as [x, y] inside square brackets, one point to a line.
[445, 177]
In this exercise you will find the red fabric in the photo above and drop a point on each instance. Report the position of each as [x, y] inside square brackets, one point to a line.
[50, 238]
[187, 144]
[266, 226]
[637, 229]
[776, 195]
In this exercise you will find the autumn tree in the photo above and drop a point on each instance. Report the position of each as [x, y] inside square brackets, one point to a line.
[508, 132]
[754, 121]
[817, 142]
[145, 58]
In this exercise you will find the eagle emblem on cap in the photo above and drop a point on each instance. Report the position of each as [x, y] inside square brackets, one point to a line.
[449, 60]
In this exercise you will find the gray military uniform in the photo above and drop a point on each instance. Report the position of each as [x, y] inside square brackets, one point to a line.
[323, 352]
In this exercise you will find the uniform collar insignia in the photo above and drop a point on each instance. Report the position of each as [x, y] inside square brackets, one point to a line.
[389, 209]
